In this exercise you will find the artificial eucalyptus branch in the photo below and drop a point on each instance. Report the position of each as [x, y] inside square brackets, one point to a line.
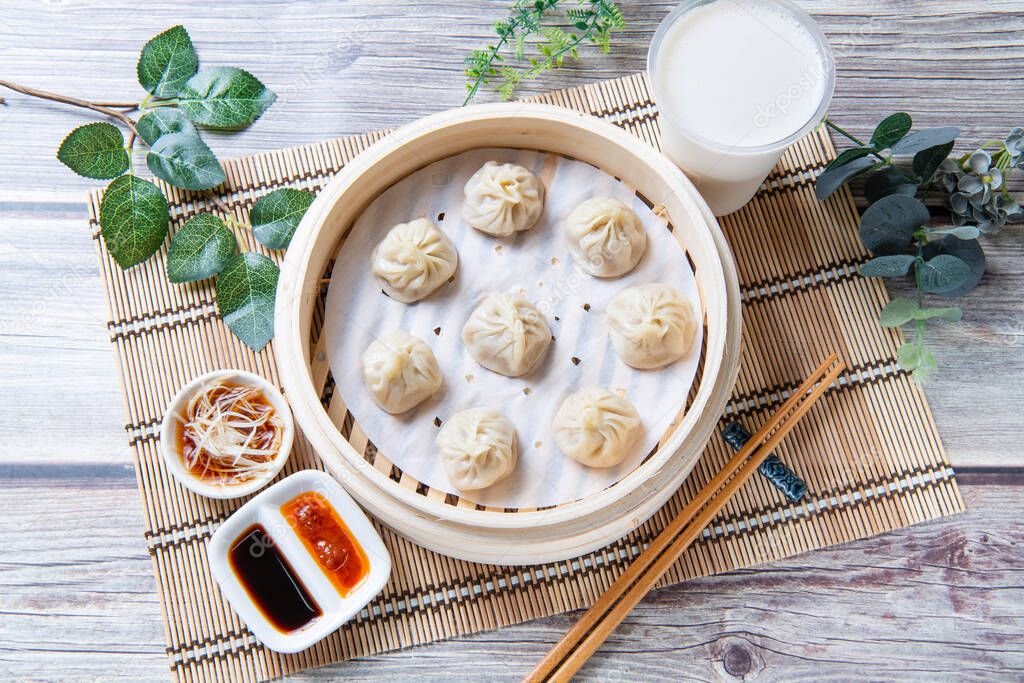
[134, 216]
[899, 165]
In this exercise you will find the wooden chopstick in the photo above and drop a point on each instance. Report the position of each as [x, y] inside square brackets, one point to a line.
[594, 627]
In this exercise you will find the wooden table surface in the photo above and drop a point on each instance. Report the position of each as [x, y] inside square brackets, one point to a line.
[77, 594]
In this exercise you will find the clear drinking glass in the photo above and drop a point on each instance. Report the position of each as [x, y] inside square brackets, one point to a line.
[728, 175]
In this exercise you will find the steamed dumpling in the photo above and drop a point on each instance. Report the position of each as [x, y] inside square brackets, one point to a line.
[506, 334]
[478, 448]
[413, 260]
[605, 237]
[400, 371]
[650, 325]
[596, 427]
[502, 199]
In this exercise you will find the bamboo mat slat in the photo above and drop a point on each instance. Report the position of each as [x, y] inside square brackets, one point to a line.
[871, 455]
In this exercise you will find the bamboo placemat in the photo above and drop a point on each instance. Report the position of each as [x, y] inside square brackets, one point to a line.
[870, 452]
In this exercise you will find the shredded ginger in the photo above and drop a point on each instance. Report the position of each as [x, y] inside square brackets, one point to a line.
[231, 434]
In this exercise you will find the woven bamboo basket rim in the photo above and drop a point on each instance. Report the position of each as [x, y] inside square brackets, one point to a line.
[480, 544]
[517, 125]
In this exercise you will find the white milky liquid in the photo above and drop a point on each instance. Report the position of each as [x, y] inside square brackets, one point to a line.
[740, 73]
[734, 80]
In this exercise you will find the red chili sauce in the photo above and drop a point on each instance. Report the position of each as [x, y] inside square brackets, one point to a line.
[328, 540]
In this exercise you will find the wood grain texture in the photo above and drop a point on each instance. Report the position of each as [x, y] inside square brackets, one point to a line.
[925, 601]
[345, 68]
[80, 603]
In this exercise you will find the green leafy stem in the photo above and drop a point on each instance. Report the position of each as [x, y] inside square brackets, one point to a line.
[134, 215]
[592, 21]
[206, 246]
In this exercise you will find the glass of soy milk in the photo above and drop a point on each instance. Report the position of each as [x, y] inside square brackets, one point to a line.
[736, 82]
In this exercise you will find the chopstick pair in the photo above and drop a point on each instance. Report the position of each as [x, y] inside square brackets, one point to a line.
[594, 627]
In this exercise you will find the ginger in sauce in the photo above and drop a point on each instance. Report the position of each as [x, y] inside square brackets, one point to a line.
[230, 433]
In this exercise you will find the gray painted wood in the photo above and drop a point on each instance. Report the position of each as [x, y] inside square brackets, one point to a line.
[77, 593]
[78, 601]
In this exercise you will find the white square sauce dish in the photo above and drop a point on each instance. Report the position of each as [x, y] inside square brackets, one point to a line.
[298, 561]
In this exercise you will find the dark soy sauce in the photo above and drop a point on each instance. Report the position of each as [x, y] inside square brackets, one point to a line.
[270, 581]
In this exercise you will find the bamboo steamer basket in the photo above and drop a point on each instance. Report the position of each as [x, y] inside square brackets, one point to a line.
[441, 520]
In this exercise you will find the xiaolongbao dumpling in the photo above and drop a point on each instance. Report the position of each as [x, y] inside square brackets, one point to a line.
[650, 325]
[605, 237]
[596, 427]
[400, 371]
[506, 334]
[413, 260]
[502, 199]
[478, 448]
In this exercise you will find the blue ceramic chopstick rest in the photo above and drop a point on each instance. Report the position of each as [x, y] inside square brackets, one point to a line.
[773, 469]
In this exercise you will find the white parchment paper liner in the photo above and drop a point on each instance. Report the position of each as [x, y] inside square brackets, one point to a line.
[537, 262]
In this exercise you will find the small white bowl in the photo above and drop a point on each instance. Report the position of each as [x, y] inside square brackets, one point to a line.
[264, 509]
[169, 427]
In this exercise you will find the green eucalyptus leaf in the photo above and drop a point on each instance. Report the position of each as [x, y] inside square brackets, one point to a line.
[953, 314]
[163, 121]
[887, 266]
[275, 216]
[909, 355]
[224, 97]
[943, 274]
[833, 178]
[923, 139]
[897, 312]
[916, 359]
[927, 161]
[961, 232]
[848, 155]
[888, 181]
[891, 130]
[184, 160]
[926, 367]
[95, 150]
[133, 219]
[965, 232]
[200, 249]
[888, 225]
[167, 62]
[968, 251]
[245, 298]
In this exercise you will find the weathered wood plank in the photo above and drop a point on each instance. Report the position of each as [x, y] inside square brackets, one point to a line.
[78, 600]
[345, 68]
[61, 398]
[981, 361]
